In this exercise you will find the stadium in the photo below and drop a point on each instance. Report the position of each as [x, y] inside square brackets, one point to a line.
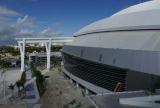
[121, 49]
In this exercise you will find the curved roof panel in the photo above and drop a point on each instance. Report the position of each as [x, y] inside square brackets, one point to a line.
[142, 16]
[146, 6]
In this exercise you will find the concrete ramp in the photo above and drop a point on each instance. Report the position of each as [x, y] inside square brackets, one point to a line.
[112, 100]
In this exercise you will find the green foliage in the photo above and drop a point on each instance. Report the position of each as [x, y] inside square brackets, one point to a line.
[9, 49]
[21, 82]
[6, 49]
[23, 78]
[152, 91]
[56, 48]
[15, 51]
[74, 103]
[37, 49]
[18, 84]
[5, 63]
[40, 80]
[42, 49]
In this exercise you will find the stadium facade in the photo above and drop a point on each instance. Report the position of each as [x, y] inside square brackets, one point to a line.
[123, 48]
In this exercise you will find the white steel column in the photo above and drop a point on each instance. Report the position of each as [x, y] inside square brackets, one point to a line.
[48, 51]
[22, 51]
[47, 42]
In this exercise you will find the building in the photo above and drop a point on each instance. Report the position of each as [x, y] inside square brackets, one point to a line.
[123, 49]
[40, 58]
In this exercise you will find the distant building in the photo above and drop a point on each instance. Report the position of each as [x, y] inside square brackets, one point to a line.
[38, 58]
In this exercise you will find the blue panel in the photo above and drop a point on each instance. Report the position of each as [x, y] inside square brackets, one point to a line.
[29, 87]
[31, 97]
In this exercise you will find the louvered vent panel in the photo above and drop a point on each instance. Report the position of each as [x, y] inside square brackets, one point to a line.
[98, 74]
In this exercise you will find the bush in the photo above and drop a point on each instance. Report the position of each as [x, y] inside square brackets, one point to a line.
[5, 64]
[40, 79]
[22, 81]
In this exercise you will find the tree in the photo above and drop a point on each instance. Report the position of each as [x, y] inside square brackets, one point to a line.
[56, 48]
[5, 64]
[9, 49]
[20, 83]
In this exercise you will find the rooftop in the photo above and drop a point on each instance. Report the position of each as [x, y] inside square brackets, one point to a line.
[146, 6]
[142, 16]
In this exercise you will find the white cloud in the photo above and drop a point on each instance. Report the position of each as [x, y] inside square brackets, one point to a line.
[25, 32]
[9, 28]
[26, 21]
[22, 20]
[15, 25]
[8, 12]
[48, 32]
[7, 33]
[45, 31]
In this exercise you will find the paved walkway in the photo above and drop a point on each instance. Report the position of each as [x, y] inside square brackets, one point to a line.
[61, 91]
[9, 76]
[13, 106]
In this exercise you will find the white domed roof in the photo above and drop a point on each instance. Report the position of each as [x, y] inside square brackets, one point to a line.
[151, 5]
[142, 16]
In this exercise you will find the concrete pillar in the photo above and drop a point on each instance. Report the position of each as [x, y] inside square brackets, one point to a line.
[22, 52]
[86, 91]
[48, 51]
[77, 85]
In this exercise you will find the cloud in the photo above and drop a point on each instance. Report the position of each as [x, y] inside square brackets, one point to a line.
[15, 25]
[48, 32]
[26, 21]
[8, 12]
[26, 33]
[7, 33]
[45, 31]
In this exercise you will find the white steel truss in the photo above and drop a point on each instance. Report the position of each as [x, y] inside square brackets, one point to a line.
[47, 42]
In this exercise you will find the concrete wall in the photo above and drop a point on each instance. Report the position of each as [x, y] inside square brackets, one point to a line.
[137, 60]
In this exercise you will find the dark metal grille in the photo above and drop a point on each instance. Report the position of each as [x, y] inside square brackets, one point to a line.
[98, 74]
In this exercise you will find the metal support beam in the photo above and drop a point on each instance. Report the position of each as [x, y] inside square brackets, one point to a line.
[48, 50]
[77, 85]
[86, 91]
[46, 41]
[22, 52]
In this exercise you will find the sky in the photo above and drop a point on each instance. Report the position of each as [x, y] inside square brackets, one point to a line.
[47, 18]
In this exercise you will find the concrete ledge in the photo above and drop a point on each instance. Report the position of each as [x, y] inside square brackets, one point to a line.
[123, 100]
[146, 101]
